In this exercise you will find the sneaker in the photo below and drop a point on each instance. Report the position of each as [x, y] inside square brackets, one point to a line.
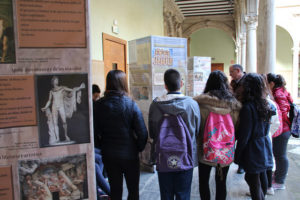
[248, 194]
[240, 170]
[270, 191]
[278, 186]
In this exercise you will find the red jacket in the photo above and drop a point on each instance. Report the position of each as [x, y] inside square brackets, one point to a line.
[282, 98]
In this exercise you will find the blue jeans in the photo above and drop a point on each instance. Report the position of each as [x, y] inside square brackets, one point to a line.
[280, 155]
[101, 182]
[175, 184]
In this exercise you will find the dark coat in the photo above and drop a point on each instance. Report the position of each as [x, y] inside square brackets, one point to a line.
[120, 127]
[254, 150]
[237, 87]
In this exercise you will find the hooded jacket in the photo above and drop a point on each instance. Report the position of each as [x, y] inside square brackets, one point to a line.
[175, 104]
[254, 149]
[209, 103]
[282, 98]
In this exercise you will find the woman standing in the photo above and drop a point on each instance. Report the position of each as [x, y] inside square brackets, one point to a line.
[216, 98]
[254, 151]
[123, 134]
[283, 99]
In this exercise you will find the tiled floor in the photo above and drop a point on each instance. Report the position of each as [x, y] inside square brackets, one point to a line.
[236, 185]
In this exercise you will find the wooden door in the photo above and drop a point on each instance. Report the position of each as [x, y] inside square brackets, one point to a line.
[217, 66]
[114, 53]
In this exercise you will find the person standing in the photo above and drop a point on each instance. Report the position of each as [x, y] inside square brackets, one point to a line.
[122, 132]
[218, 99]
[176, 183]
[283, 99]
[237, 75]
[254, 149]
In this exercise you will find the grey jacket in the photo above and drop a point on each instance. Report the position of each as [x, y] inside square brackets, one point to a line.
[175, 104]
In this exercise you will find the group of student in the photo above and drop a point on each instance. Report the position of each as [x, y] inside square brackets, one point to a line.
[245, 122]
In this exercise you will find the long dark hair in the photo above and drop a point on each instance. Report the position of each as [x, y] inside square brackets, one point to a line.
[217, 85]
[277, 79]
[254, 91]
[116, 82]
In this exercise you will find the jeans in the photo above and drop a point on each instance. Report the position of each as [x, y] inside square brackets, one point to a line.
[101, 182]
[204, 175]
[280, 155]
[257, 184]
[116, 169]
[175, 184]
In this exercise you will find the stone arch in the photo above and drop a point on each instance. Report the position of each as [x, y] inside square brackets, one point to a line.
[210, 24]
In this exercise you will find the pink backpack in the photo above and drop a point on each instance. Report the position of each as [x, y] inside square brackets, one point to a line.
[218, 139]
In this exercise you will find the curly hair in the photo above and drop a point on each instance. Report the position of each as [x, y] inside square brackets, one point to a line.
[217, 85]
[254, 91]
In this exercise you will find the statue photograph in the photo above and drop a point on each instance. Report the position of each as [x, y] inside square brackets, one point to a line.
[62, 107]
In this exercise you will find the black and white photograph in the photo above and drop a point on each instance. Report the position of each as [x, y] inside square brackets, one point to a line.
[63, 109]
[7, 39]
[54, 178]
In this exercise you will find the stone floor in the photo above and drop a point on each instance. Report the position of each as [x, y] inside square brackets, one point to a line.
[236, 185]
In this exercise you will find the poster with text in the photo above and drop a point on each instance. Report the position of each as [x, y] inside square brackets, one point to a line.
[45, 95]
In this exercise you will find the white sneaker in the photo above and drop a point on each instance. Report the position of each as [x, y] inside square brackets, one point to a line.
[278, 186]
[270, 191]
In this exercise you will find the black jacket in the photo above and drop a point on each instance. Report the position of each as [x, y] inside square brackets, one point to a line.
[120, 126]
[254, 150]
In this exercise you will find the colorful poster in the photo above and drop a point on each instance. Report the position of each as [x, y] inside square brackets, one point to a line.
[51, 23]
[54, 178]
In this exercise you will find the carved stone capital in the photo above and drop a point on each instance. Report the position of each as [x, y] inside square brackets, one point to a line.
[251, 21]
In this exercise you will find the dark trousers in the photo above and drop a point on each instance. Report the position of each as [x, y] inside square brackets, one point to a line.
[220, 178]
[116, 169]
[175, 184]
[280, 155]
[269, 176]
[258, 185]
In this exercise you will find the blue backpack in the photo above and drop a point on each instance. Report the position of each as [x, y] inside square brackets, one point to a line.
[174, 145]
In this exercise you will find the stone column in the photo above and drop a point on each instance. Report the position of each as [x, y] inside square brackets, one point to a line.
[251, 22]
[295, 71]
[243, 50]
[266, 37]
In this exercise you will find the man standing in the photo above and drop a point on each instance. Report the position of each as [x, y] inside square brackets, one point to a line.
[178, 182]
[237, 75]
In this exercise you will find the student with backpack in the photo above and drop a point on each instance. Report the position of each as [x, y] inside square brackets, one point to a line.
[174, 121]
[254, 150]
[219, 115]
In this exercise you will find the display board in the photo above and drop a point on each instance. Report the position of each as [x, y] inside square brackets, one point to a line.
[46, 145]
[199, 69]
[149, 58]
